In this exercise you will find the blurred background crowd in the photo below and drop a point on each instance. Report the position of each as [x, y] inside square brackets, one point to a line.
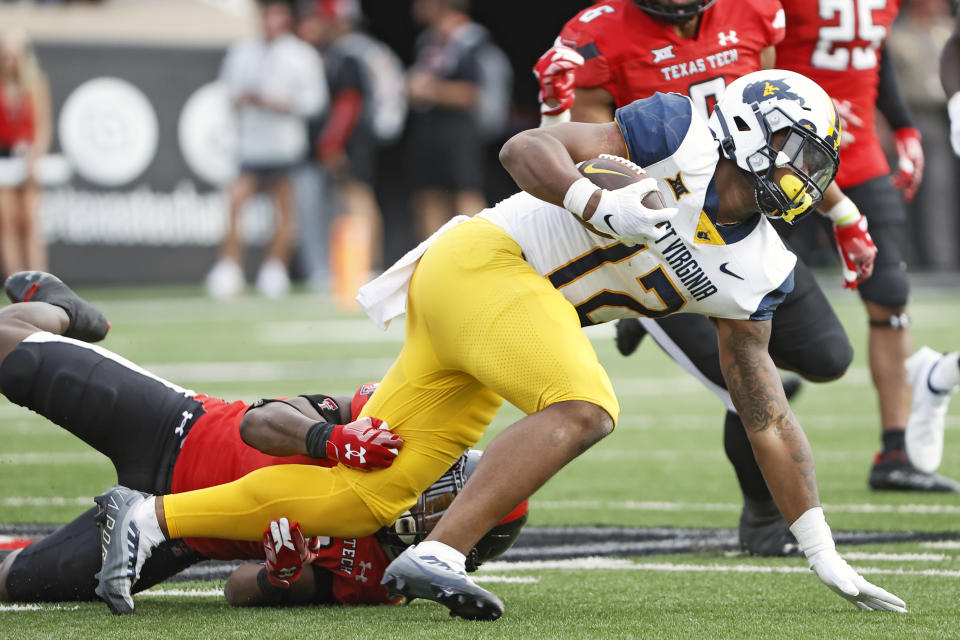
[237, 142]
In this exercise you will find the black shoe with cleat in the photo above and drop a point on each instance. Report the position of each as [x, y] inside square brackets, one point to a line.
[629, 334]
[792, 385]
[430, 578]
[764, 532]
[892, 471]
[86, 321]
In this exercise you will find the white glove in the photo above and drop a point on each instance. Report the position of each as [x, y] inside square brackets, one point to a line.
[953, 108]
[834, 572]
[621, 214]
[813, 534]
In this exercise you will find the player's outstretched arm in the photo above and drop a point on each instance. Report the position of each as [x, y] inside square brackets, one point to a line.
[247, 588]
[785, 458]
[286, 577]
[854, 243]
[292, 427]
[780, 446]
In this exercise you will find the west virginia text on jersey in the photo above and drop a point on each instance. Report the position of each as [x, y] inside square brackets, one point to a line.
[739, 271]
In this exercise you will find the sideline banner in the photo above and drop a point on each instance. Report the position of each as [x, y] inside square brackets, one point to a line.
[149, 137]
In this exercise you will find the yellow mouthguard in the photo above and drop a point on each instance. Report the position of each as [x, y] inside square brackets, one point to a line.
[793, 188]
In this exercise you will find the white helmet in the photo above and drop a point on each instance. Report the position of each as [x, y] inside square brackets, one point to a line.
[758, 105]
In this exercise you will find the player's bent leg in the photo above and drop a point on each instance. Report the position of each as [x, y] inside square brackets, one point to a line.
[514, 465]
[5, 571]
[107, 401]
[806, 336]
[59, 567]
[18, 321]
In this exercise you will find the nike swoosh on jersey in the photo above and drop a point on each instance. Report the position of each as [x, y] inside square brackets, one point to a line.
[724, 269]
[590, 168]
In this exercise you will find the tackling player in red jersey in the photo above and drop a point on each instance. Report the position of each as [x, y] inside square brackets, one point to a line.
[162, 437]
[840, 45]
[628, 51]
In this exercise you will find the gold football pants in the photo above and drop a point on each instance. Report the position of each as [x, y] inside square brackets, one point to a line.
[482, 326]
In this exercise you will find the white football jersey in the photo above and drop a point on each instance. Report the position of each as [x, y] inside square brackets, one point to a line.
[740, 271]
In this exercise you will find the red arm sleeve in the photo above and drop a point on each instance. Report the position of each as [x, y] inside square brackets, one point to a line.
[344, 112]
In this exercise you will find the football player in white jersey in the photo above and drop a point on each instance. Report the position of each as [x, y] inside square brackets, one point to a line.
[494, 308]
[713, 253]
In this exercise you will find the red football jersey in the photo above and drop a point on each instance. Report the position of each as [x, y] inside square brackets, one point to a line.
[837, 43]
[357, 565]
[632, 55]
[213, 453]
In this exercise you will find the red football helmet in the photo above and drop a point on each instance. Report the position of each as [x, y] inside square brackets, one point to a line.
[415, 524]
[671, 12]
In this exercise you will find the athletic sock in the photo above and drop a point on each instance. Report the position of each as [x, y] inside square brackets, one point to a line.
[893, 440]
[443, 552]
[945, 375]
[145, 517]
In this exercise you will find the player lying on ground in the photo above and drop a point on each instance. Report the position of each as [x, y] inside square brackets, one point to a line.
[494, 308]
[161, 437]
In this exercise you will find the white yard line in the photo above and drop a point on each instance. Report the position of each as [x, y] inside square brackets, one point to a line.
[59, 457]
[897, 557]
[269, 371]
[189, 593]
[941, 544]
[632, 505]
[614, 564]
[52, 501]
[37, 607]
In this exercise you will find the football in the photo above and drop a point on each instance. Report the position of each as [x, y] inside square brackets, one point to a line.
[611, 172]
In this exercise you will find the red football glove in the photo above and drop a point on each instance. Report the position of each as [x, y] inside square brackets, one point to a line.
[286, 552]
[857, 251]
[909, 161]
[555, 71]
[364, 444]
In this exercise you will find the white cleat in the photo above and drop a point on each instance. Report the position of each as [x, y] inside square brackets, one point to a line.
[924, 434]
[272, 280]
[225, 280]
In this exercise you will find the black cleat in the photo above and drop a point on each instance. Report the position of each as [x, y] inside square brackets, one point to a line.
[792, 386]
[893, 472]
[764, 532]
[432, 579]
[629, 334]
[86, 321]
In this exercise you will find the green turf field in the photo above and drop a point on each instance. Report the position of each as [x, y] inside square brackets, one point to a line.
[663, 466]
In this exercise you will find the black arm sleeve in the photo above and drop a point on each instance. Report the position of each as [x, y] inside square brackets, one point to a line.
[326, 406]
[889, 99]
